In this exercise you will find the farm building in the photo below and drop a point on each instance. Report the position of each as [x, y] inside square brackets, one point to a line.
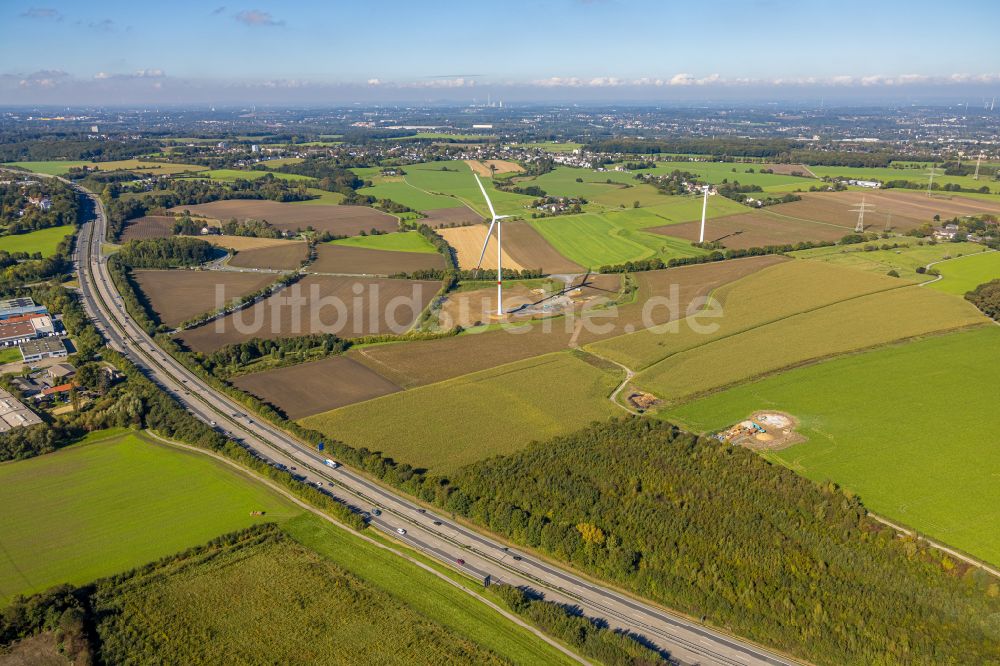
[36, 350]
[14, 414]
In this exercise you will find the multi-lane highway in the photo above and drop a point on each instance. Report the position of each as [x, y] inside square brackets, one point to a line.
[476, 554]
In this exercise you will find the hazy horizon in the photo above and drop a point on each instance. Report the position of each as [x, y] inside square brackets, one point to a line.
[316, 54]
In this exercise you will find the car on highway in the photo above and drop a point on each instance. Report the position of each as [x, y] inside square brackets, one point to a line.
[436, 523]
[376, 512]
[400, 530]
[460, 562]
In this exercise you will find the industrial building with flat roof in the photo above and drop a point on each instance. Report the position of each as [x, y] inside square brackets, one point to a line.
[14, 307]
[13, 414]
[36, 350]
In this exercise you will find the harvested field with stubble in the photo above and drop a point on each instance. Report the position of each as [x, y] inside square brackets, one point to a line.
[310, 388]
[340, 220]
[331, 258]
[468, 244]
[444, 217]
[179, 295]
[345, 306]
[755, 229]
[530, 249]
[417, 363]
[482, 167]
[429, 427]
[148, 226]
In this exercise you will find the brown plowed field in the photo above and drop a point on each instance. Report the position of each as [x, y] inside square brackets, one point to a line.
[285, 257]
[241, 243]
[340, 220]
[909, 209]
[345, 306]
[530, 249]
[468, 243]
[363, 261]
[179, 295]
[150, 226]
[789, 169]
[445, 217]
[755, 229]
[416, 363]
[311, 388]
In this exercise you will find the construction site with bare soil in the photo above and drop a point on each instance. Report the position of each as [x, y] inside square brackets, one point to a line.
[763, 431]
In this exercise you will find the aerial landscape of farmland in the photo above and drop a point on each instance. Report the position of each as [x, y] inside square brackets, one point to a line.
[316, 350]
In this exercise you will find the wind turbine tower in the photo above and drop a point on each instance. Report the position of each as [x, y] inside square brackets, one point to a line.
[979, 160]
[704, 210]
[495, 222]
[930, 178]
[862, 208]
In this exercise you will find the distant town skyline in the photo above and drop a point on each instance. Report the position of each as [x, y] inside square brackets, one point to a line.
[567, 50]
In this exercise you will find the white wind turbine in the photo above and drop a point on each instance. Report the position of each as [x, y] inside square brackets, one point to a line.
[495, 222]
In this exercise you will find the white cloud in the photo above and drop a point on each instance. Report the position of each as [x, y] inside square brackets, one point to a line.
[257, 18]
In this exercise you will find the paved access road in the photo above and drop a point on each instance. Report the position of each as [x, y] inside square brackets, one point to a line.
[476, 554]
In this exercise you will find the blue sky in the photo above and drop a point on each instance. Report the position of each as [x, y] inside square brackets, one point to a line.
[337, 51]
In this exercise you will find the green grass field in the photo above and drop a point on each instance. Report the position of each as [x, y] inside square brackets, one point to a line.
[44, 240]
[716, 172]
[916, 175]
[324, 198]
[453, 423]
[403, 193]
[455, 179]
[615, 237]
[236, 174]
[963, 274]
[62, 167]
[108, 505]
[314, 609]
[402, 241]
[840, 328]
[554, 146]
[9, 355]
[904, 260]
[422, 591]
[910, 428]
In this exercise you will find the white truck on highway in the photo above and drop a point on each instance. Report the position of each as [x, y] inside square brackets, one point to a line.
[331, 463]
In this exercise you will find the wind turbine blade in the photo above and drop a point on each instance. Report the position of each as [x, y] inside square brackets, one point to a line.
[485, 243]
[489, 203]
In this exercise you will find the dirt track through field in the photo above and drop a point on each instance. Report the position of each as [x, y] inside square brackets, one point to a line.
[417, 363]
[179, 295]
[468, 243]
[319, 386]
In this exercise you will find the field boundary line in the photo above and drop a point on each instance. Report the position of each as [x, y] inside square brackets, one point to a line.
[439, 194]
[968, 559]
[426, 567]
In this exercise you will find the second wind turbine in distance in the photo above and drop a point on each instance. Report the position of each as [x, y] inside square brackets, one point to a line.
[495, 222]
